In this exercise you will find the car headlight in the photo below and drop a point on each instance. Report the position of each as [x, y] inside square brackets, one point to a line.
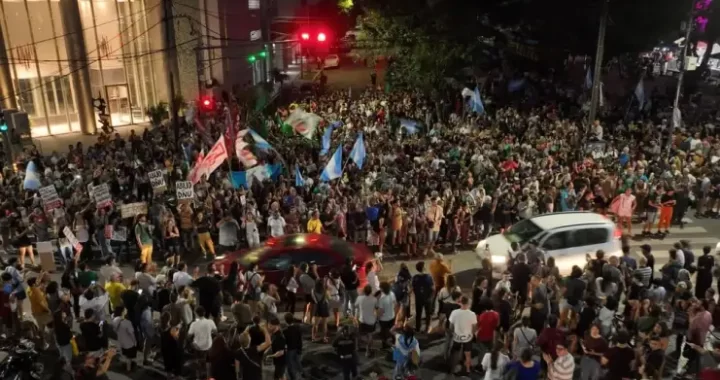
[498, 259]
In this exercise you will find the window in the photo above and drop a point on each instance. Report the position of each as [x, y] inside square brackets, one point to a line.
[254, 4]
[557, 240]
[523, 231]
[280, 263]
[313, 256]
[590, 236]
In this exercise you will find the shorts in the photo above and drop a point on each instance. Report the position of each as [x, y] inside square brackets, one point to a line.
[433, 235]
[279, 372]
[387, 325]
[309, 299]
[651, 216]
[464, 346]
[365, 328]
[564, 305]
[129, 353]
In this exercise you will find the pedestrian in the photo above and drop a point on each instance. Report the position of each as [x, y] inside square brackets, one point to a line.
[294, 342]
[125, 336]
[422, 286]
[346, 347]
[463, 323]
[406, 352]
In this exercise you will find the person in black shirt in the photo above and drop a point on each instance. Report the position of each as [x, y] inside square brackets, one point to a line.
[92, 332]
[346, 347]
[422, 286]
[294, 343]
[278, 347]
[617, 359]
[250, 357]
[222, 360]
[646, 250]
[574, 292]
[653, 360]
[706, 263]
[520, 278]
[63, 334]
[350, 280]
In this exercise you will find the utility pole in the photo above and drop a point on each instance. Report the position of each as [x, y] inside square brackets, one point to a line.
[681, 76]
[267, 38]
[597, 70]
[172, 67]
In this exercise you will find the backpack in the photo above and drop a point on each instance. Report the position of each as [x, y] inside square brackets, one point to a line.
[421, 286]
[400, 288]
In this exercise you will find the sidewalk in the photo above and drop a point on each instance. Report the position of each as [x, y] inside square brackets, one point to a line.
[59, 143]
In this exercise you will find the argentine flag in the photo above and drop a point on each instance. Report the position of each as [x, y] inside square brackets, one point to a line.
[327, 137]
[476, 104]
[357, 154]
[299, 180]
[32, 177]
[333, 169]
[640, 93]
[260, 142]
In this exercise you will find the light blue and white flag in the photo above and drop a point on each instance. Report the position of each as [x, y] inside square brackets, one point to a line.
[411, 126]
[357, 154]
[516, 85]
[588, 79]
[476, 104]
[32, 177]
[640, 93]
[677, 118]
[299, 180]
[333, 169]
[260, 142]
[327, 137]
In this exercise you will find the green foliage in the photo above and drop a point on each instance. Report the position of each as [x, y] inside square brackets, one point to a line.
[345, 5]
[157, 113]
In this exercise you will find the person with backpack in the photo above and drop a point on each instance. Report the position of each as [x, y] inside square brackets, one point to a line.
[253, 279]
[422, 286]
[401, 288]
[307, 283]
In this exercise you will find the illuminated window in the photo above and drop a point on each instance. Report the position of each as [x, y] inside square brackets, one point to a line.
[253, 4]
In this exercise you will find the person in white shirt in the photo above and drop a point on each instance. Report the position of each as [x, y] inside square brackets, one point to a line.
[97, 302]
[269, 298]
[365, 315]
[201, 333]
[494, 362]
[463, 324]
[276, 224]
[386, 313]
[372, 277]
[181, 277]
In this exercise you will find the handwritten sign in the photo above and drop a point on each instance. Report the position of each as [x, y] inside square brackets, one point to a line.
[132, 210]
[50, 197]
[70, 236]
[184, 190]
[119, 234]
[102, 196]
[157, 180]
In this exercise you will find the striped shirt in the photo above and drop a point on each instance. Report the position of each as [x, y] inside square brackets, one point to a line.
[646, 273]
[562, 368]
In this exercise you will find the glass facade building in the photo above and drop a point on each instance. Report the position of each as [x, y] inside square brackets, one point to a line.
[43, 64]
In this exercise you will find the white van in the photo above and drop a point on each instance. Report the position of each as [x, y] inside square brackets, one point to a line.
[566, 236]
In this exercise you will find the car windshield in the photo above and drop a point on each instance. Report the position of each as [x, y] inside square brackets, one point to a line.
[522, 232]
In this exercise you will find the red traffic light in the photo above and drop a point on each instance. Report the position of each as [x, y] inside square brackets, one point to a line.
[207, 103]
[305, 36]
[322, 37]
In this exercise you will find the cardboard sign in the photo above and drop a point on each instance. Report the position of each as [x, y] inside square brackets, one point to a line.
[184, 190]
[119, 234]
[102, 196]
[132, 210]
[50, 198]
[46, 251]
[70, 236]
[157, 180]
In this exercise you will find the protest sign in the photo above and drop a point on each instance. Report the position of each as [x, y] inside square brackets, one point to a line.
[132, 210]
[119, 234]
[102, 196]
[70, 236]
[50, 198]
[157, 180]
[184, 190]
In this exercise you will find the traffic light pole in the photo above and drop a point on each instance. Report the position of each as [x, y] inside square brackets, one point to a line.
[597, 71]
[267, 38]
[681, 76]
[171, 64]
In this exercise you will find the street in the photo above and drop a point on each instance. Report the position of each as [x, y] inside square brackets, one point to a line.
[320, 361]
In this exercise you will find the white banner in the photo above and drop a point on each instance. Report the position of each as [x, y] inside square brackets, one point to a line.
[70, 236]
[50, 197]
[184, 190]
[157, 179]
[101, 193]
[132, 210]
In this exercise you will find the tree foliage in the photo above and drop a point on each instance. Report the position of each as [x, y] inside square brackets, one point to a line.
[430, 39]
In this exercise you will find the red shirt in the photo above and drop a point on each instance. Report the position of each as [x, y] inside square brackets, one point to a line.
[487, 322]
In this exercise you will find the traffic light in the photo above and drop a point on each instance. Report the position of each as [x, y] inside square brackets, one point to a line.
[321, 37]
[252, 58]
[3, 124]
[262, 54]
[207, 103]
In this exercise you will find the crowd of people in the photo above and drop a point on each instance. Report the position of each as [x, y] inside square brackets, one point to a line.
[449, 178]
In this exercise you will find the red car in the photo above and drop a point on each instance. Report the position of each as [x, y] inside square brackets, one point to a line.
[275, 257]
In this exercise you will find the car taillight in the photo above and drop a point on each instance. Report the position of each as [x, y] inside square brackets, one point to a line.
[618, 233]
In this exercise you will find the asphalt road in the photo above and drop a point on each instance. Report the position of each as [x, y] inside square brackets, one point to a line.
[320, 359]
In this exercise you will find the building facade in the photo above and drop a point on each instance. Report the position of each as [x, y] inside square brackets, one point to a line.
[57, 55]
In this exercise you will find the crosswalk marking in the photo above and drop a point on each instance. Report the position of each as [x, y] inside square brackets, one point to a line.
[695, 242]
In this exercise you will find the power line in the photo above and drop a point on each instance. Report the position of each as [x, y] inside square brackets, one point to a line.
[58, 78]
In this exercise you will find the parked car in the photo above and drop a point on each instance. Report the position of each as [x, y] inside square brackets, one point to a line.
[277, 254]
[332, 61]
